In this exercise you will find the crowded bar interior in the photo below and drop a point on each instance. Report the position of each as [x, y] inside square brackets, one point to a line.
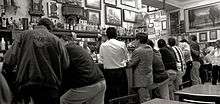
[109, 51]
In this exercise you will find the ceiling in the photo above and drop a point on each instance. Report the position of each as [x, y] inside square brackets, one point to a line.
[170, 4]
[159, 4]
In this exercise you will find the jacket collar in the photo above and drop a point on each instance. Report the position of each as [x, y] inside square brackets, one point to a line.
[40, 27]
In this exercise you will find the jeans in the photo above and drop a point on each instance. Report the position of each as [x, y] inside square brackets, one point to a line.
[162, 91]
[144, 94]
[204, 72]
[215, 74]
[195, 73]
[92, 94]
[172, 83]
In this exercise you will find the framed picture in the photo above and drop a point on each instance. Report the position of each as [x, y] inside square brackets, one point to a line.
[164, 25]
[52, 7]
[93, 17]
[113, 15]
[129, 16]
[131, 3]
[151, 25]
[213, 34]
[95, 4]
[203, 17]
[111, 2]
[203, 37]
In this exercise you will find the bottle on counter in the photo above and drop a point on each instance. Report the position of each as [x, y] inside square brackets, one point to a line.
[4, 26]
[20, 24]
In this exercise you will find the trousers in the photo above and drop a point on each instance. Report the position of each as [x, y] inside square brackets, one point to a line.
[92, 94]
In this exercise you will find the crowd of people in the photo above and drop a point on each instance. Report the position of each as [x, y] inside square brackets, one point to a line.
[42, 69]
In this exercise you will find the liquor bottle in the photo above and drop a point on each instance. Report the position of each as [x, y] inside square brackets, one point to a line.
[4, 26]
[20, 24]
[3, 44]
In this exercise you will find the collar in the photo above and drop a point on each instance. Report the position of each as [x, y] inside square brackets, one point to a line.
[144, 45]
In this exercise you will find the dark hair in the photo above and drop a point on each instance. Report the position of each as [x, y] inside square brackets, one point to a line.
[143, 37]
[150, 42]
[161, 43]
[172, 42]
[111, 33]
[46, 22]
[193, 37]
[184, 40]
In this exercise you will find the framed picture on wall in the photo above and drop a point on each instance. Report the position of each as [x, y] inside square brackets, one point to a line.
[203, 37]
[129, 16]
[164, 25]
[131, 3]
[111, 2]
[113, 15]
[95, 4]
[93, 17]
[52, 7]
[213, 34]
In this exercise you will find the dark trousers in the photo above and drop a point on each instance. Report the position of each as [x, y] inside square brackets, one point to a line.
[204, 72]
[187, 76]
[116, 83]
[215, 74]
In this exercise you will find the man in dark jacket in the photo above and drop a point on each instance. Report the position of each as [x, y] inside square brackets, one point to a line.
[195, 52]
[40, 58]
[169, 61]
[83, 79]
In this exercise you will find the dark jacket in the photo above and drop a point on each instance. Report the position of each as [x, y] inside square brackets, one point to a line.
[168, 57]
[141, 61]
[195, 51]
[40, 58]
[82, 70]
[159, 72]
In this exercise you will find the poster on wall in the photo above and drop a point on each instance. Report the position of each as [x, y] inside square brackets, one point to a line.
[129, 16]
[52, 9]
[203, 17]
[94, 17]
[213, 35]
[113, 15]
[203, 37]
[131, 3]
[95, 4]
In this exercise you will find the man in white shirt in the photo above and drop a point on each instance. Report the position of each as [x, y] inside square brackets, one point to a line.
[113, 55]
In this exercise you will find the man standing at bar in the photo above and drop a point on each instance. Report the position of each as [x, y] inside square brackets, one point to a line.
[195, 52]
[113, 55]
[40, 58]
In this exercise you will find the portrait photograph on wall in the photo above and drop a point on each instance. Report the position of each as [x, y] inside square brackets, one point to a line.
[95, 4]
[93, 17]
[113, 15]
[131, 3]
[213, 35]
[203, 37]
[111, 2]
[207, 16]
[129, 16]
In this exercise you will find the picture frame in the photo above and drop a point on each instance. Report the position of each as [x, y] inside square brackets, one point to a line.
[164, 25]
[94, 4]
[202, 36]
[93, 17]
[202, 17]
[113, 15]
[111, 2]
[129, 16]
[52, 8]
[213, 35]
[130, 3]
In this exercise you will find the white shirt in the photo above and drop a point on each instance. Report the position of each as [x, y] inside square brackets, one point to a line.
[215, 57]
[113, 54]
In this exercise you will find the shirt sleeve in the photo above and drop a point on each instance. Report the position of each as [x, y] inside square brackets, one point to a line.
[101, 54]
[134, 59]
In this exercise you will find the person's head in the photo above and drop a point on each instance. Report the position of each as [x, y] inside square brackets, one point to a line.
[161, 43]
[172, 42]
[218, 43]
[142, 38]
[151, 43]
[193, 38]
[46, 22]
[111, 33]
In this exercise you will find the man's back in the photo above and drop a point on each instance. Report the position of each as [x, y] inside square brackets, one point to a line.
[113, 53]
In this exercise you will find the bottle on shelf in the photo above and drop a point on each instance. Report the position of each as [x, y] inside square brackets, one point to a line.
[3, 44]
[4, 25]
[20, 24]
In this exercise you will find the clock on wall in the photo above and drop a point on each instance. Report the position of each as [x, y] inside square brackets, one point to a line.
[36, 8]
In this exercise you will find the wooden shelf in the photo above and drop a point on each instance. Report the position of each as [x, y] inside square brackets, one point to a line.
[80, 34]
